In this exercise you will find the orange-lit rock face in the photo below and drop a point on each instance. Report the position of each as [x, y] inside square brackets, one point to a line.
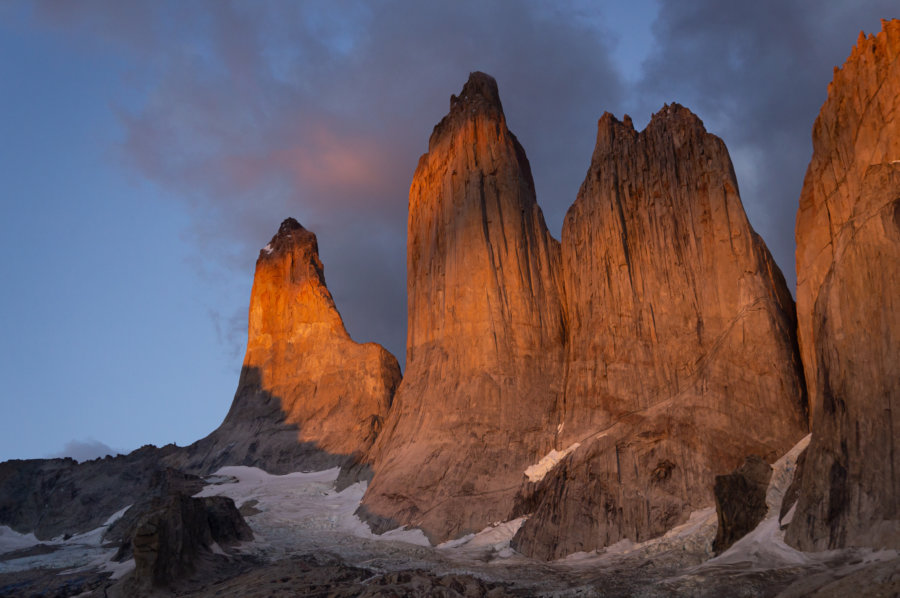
[848, 305]
[308, 394]
[485, 330]
[681, 355]
[336, 391]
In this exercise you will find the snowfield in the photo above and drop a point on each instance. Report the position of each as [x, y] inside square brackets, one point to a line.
[80, 552]
[303, 514]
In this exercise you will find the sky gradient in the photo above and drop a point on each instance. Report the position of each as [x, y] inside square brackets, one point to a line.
[148, 150]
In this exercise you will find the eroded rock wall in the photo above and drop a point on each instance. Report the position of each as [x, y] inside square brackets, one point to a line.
[848, 302]
[485, 336]
[681, 353]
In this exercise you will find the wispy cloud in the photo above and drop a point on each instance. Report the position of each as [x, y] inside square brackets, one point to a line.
[85, 450]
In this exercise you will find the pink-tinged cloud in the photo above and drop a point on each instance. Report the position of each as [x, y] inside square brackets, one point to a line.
[251, 112]
[346, 165]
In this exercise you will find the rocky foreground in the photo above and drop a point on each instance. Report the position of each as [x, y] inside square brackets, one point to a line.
[307, 542]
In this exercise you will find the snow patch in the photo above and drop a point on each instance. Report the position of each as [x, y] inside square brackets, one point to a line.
[782, 474]
[494, 539]
[12, 540]
[764, 547]
[119, 570]
[268, 248]
[536, 472]
[302, 503]
[79, 552]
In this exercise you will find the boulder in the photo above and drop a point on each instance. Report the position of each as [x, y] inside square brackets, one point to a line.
[179, 532]
[740, 501]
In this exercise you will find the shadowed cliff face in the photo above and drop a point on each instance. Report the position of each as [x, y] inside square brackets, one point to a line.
[848, 302]
[484, 348]
[681, 355]
[308, 396]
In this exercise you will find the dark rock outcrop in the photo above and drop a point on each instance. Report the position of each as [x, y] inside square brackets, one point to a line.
[180, 532]
[308, 396]
[51, 497]
[681, 356]
[485, 336]
[740, 501]
[848, 302]
[163, 484]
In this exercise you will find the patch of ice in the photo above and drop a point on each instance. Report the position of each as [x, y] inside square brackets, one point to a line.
[79, 552]
[302, 503]
[692, 539]
[782, 475]
[496, 537]
[12, 540]
[536, 472]
[764, 547]
[449, 544]
[789, 516]
[119, 570]
[116, 516]
[93, 537]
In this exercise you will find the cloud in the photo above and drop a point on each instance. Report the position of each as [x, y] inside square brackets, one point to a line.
[86, 450]
[757, 73]
[251, 112]
[254, 112]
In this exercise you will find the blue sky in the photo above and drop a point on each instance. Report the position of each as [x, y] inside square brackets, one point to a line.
[148, 150]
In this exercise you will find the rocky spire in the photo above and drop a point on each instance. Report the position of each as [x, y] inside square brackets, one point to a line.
[681, 354]
[848, 305]
[485, 335]
[308, 395]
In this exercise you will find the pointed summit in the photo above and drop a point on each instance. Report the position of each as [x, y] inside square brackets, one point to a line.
[479, 92]
[308, 395]
[484, 344]
[479, 100]
[291, 234]
[288, 227]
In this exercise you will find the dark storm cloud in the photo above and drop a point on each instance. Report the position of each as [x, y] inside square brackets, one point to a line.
[254, 112]
[251, 112]
[757, 73]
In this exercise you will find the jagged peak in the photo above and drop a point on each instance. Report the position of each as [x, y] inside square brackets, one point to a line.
[479, 96]
[675, 113]
[671, 117]
[479, 92]
[876, 48]
[290, 234]
[288, 225]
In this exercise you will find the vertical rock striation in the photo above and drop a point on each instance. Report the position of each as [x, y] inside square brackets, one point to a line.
[848, 304]
[486, 331]
[681, 354]
[308, 396]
